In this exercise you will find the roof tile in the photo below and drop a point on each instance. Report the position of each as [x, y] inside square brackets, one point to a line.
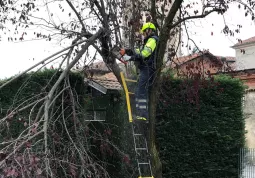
[184, 59]
[109, 81]
[246, 41]
[100, 65]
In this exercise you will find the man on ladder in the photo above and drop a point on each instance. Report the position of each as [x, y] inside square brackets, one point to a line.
[145, 56]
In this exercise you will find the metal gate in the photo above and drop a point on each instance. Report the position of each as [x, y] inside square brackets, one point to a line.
[247, 163]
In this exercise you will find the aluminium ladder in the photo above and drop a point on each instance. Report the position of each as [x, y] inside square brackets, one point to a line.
[140, 142]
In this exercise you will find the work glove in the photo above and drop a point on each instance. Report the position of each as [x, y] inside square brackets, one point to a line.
[126, 58]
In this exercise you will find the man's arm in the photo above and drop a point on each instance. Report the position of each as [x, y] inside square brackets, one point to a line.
[129, 52]
[139, 55]
[147, 50]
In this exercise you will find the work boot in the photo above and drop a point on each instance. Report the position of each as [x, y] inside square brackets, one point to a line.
[141, 118]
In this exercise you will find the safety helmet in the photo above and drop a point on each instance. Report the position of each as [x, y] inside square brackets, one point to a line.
[147, 25]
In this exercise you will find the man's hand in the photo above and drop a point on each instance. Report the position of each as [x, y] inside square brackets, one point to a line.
[126, 58]
[122, 52]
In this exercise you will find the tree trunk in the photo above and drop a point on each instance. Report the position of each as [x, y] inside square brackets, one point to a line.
[156, 163]
[164, 36]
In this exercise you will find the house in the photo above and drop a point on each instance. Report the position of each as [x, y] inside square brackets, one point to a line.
[201, 63]
[103, 91]
[245, 54]
[245, 61]
[245, 70]
[99, 77]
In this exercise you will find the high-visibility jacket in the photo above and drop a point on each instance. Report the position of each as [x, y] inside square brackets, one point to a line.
[146, 53]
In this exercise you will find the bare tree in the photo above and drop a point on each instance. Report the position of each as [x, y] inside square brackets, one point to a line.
[24, 15]
[188, 11]
[98, 24]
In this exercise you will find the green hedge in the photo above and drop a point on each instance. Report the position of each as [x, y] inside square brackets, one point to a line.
[200, 127]
[104, 137]
[31, 86]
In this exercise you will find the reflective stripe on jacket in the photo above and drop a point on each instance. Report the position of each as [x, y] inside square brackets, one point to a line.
[147, 49]
[146, 54]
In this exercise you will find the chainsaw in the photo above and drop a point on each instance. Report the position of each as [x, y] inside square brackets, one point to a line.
[118, 53]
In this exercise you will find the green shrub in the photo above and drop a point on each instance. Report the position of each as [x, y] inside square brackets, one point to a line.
[102, 138]
[200, 127]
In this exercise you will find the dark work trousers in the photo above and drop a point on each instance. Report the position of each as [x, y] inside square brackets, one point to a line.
[146, 79]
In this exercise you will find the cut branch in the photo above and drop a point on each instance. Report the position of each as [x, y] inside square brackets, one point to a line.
[41, 62]
[33, 136]
[61, 77]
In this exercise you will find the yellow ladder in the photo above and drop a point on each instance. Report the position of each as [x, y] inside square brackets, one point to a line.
[137, 136]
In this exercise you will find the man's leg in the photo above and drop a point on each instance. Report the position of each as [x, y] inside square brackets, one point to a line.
[136, 101]
[142, 93]
[142, 104]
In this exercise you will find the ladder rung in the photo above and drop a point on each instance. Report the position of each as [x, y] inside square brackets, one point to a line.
[138, 134]
[143, 163]
[129, 80]
[145, 177]
[131, 93]
[141, 148]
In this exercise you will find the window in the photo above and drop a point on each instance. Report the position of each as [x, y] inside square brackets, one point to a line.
[96, 115]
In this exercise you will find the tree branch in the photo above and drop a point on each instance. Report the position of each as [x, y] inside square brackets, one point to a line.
[15, 111]
[64, 73]
[41, 62]
[17, 148]
[169, 19]
[154, 13]
[53, 89]
[244, 4]
[195, 17]
[79, 18]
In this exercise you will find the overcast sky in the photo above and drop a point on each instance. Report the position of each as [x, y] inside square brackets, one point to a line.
[219, 43]
[16, 57]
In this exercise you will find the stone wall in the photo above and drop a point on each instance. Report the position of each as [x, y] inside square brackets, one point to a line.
[249, 110]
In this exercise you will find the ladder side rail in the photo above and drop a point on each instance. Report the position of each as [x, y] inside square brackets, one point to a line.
[127, 97]
[139, 170]
[131, 120]
[149, 162]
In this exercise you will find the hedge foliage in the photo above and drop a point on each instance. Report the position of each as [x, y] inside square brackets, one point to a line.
[27, 89]
[103, 137]
[200, 127]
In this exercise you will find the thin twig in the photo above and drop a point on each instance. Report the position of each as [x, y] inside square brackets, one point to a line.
[41, 62]
[18, 147]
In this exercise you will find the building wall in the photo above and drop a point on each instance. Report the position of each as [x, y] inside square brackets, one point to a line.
[248, 79]
[249, 111]
[200, 65]
[246, 60]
